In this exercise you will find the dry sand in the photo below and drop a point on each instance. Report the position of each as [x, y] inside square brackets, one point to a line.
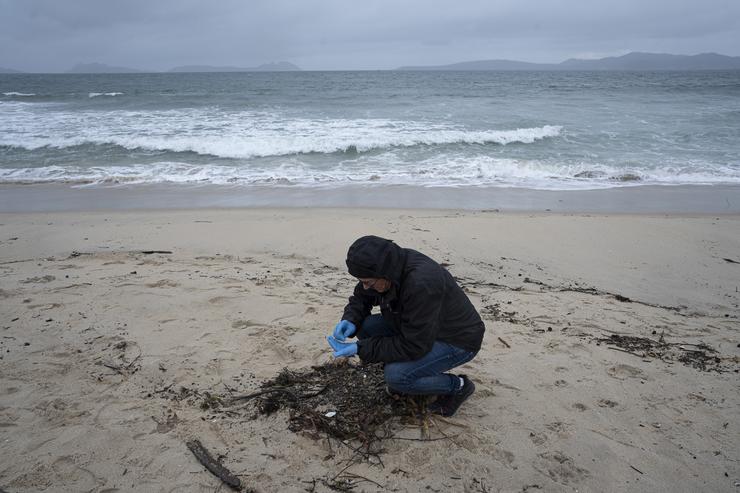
[245, 293]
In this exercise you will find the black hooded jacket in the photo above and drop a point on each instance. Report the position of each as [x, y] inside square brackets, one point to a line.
[424, 303]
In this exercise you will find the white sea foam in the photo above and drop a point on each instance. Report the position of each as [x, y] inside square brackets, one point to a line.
[96, 94]
[19, 94]
[242, 134]
[381, 170]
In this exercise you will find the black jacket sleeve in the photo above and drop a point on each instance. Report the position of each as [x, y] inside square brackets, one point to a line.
[359, 307]
[422, 301]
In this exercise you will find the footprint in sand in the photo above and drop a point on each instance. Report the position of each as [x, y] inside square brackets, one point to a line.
[537, 438]
[505, 457]
[607, 403]
[560, 428]
[163, 283]
[418, 457]
[42, 279]
[560, 468]
[623, 372]
[243, 324]
[221, 299]
[71, 474]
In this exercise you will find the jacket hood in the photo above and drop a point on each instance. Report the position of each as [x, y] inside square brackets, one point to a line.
[372, 256]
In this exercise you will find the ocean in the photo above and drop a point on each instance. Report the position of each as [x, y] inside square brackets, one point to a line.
[316, 130]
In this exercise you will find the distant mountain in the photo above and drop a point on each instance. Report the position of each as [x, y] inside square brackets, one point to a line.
[265, 67]
[656, 61]
[4, 70]
[630, 61]
[485, 65]
[101, 68]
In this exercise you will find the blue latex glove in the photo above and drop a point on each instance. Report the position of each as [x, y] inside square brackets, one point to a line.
[342, 349]
[343, 330]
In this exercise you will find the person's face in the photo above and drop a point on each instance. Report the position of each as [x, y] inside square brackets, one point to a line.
[378, 284]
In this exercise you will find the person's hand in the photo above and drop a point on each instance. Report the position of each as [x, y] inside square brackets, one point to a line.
[342, 349]
[343, 330]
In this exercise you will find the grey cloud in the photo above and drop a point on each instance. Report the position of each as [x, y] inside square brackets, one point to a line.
[333, 34]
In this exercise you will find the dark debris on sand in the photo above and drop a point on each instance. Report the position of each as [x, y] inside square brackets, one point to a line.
[700, 356]
[340, 400]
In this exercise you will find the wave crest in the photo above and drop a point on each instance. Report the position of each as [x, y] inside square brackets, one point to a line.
[299, 138]
[96, 94]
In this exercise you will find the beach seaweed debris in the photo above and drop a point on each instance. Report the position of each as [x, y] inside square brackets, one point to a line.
[341, 400]
[495, 313]
[700, 356]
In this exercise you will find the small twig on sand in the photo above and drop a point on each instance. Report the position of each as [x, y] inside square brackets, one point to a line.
[128, 367]
[446, 421]
[450, 437]
[424, 439]
[351, 475]
[350, 463]
[636, 469]
[504, 343]
[263, 392]
[205, 458]
[115, 368]
[625, 351]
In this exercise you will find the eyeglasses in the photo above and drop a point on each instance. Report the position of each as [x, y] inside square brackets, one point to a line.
[369, 284]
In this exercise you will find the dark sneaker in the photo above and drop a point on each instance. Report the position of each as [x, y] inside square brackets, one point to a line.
[447, 405]
[440, 402]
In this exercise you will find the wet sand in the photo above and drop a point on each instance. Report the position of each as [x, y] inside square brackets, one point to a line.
[717, 199]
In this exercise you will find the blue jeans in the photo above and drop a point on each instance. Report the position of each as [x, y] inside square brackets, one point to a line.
[425, 375]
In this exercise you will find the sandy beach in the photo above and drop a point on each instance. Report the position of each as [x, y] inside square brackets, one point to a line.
[102, 313]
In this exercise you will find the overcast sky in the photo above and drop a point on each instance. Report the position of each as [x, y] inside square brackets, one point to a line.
[53, 35]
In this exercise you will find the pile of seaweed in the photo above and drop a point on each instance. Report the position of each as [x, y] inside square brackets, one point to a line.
[340, 400]
[700, 356]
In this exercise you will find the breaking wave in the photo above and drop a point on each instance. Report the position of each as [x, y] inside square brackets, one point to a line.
[382, 170]
[242, 134]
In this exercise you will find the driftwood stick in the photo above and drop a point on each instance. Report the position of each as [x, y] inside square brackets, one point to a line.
[215, 467]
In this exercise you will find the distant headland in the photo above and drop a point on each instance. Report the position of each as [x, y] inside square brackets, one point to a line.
[102, 68]
[635, 61]
[630, 61]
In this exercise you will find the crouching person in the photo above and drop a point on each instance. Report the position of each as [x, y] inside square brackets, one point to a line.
[426, 326]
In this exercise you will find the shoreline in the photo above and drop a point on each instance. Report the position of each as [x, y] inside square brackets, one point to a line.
[679, 199]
